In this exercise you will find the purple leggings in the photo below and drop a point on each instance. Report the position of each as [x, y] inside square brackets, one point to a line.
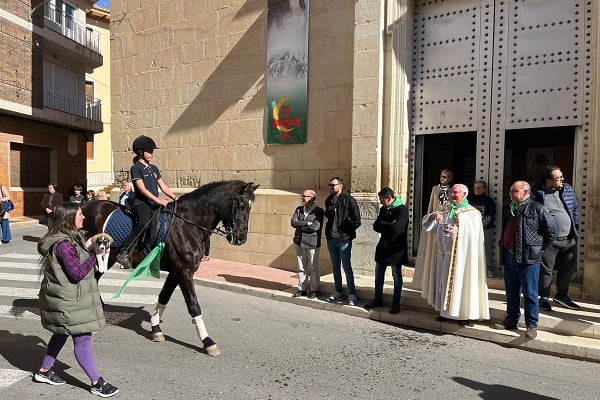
[82, 350]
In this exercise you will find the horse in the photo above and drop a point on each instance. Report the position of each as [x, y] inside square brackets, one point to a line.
[189, 222]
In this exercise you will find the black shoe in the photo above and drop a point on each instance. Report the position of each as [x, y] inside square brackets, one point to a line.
[300, 293]
[507, 324]
[442, 319]
[103, 389]
[465, 322]
[313, 295]
[545, 305]
[125, 263]
[394, 308]
[48, 377]
[373, 304]
[565, 301]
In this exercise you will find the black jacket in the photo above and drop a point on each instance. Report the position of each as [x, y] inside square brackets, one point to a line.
[536, 230]
[392, 224]
[346, 209]
[308, 229]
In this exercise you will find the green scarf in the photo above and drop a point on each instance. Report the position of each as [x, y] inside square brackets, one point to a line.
[514, 208]
[397, 202]
[150, 266]
[453, 207]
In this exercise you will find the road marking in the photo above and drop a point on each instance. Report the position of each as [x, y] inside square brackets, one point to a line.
[23, 293]
[154, 284]
[10, 376]
[21, 256]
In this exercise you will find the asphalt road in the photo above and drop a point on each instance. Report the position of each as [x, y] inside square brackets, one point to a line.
[270, 350]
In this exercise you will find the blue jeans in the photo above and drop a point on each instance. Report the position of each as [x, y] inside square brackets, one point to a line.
[521, 277]
[380, 277]
[340, 253]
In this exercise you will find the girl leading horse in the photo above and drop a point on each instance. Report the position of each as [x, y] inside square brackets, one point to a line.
[191, 220]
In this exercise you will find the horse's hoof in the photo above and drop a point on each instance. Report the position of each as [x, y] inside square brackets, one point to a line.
[158, 337]
[213, 351]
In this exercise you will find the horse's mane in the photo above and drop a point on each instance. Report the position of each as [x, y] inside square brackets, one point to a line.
[215, 189]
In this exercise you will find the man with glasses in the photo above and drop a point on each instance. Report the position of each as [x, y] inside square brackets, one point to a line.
[343, 219]
[561, 255]
[308, 222]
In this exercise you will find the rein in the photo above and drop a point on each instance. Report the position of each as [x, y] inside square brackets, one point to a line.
[217, 230]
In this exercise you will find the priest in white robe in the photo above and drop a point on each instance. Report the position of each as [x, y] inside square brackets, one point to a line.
[455, 283]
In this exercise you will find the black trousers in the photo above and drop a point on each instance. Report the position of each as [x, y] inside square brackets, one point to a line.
[561, 256]
[141, 217]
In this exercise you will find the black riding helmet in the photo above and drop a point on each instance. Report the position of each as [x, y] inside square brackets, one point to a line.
[143, 143]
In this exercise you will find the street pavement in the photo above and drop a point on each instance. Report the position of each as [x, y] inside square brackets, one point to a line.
[275, 349]
[563, 332]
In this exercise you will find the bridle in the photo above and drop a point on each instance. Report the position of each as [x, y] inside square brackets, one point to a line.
[230, 226]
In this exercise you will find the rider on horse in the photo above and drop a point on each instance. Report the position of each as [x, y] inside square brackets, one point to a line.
[146, 179]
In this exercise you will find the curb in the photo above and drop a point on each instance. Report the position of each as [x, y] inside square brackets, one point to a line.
[575, 347]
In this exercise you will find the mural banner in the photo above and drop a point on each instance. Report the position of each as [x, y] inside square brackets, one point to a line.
[287, 72]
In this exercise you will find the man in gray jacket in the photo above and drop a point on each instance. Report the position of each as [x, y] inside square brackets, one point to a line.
[308, 222]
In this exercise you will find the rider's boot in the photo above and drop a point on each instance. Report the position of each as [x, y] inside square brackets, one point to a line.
[123, 259]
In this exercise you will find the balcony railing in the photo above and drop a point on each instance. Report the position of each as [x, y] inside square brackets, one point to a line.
[60, 22]
[90, 108]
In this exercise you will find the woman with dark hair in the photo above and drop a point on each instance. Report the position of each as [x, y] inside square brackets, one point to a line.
[70, 303]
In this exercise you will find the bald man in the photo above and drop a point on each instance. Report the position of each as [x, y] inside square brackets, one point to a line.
[308, 222]
[455, 283]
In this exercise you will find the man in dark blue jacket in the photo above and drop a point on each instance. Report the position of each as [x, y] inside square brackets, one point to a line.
[343, 219]
[561, 255]
[528, 229]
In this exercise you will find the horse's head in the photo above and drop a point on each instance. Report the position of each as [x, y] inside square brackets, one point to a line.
[236, 214]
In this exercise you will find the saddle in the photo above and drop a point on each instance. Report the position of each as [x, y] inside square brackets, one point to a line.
[119, 225]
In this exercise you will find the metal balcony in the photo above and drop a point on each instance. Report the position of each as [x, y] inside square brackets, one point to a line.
[66, 25]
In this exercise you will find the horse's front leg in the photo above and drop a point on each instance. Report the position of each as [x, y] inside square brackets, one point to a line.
[163, 298]
[186, 284]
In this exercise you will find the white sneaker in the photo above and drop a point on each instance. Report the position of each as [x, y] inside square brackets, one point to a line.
[352, 300]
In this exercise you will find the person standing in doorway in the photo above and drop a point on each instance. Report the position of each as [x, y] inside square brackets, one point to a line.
[308, 222]
[528, 229]
[561, 255]
[77, 196]
[457, 288]
[392, 248]
[343, 219]
[487, 207]
[50, 201]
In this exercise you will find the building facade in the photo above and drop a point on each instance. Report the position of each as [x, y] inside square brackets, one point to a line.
[47, 114]
[100, 174]
[398, 90]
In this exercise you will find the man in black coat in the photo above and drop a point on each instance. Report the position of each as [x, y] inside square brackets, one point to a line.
[343, 219]
[392, 249]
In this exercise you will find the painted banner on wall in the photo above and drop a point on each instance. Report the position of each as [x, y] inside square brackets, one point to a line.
[287, 72]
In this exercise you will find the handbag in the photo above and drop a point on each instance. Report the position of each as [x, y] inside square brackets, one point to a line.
[9, 205]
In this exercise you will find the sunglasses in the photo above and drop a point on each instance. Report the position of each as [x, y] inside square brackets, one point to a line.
[332, 184]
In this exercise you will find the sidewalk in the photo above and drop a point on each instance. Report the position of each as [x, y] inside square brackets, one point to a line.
[562, 332]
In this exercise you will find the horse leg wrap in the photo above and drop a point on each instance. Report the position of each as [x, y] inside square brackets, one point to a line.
[157, 335]
[209, 345]
[200, 328]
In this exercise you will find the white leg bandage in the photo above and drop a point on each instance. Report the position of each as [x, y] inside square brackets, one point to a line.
[200, 328]
[157, 314]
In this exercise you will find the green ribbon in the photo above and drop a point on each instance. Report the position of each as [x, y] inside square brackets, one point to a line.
[514, 208]
[150, 266]
[454, 207]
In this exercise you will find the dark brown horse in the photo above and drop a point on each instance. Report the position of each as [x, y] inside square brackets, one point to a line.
[190, 221]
